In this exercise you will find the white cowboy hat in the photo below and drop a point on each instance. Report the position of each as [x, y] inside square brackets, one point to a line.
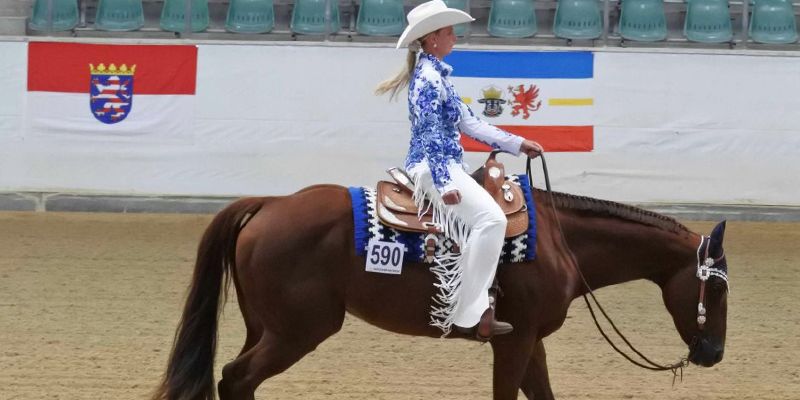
[428, 17]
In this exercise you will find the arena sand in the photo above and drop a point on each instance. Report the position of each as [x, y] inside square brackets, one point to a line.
[89, 304]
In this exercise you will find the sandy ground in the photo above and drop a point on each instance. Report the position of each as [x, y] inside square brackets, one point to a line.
[89, 304]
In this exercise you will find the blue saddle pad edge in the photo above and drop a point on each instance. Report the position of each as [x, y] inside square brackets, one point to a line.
[530, 252]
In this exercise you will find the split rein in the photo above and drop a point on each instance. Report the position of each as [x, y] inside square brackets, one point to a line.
[646, 363]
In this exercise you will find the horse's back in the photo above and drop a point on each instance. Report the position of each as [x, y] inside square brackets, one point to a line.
[305, 218]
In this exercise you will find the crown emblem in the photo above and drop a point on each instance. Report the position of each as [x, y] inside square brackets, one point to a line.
[492, 93]
[112, 69]
[493, 100]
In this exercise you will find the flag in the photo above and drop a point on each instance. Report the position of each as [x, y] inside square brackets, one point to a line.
[543, 96]
[110, 90]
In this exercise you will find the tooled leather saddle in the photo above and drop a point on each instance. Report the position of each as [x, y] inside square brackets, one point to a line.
[396, 207]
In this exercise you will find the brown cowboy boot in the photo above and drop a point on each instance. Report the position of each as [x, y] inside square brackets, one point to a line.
[489, 327]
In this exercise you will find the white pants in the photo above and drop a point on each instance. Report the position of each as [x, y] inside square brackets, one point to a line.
[477, 225]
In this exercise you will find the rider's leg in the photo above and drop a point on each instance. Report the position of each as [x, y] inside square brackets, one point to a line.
[477, 224]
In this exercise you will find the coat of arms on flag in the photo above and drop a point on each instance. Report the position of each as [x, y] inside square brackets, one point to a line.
[492, 98]
[525, 100]
[111, 92]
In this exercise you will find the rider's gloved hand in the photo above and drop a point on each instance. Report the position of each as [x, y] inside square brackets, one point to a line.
[531, 148]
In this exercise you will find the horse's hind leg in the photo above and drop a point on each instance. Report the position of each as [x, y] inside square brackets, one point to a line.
[291, 285]
[294, 328]
[269, 357]
[252, 327]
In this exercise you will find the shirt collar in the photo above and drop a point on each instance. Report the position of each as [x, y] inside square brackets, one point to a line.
[441, 67]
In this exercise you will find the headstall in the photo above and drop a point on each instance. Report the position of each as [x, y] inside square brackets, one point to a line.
[707, 268]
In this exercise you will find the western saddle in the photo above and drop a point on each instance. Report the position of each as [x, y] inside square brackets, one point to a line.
[396, 207]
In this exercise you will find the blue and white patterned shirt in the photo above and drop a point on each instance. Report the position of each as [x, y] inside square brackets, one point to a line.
[437, 115]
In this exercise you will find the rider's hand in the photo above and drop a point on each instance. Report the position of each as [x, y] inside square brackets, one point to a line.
[531, 148]
[452, 197]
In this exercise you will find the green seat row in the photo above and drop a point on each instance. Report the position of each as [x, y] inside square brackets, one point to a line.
[707, 21]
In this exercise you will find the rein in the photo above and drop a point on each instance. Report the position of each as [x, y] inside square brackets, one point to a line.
[676, 368]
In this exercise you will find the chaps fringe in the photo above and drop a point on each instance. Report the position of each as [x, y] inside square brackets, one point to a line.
[446, 267]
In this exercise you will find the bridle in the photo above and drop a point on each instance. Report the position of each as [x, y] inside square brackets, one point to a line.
[706, 269]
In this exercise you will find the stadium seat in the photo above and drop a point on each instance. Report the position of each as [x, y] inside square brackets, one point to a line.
[308, 17]
[708, 21]
[381, 18]
[250, 16]
[460, 29]
[773, 21]
[578, 19]
[119, 15]
[643, 20]
[174, 11]
[64, 15]
[512, 18]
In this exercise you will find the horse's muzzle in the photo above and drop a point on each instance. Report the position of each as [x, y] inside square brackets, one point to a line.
[706, 352]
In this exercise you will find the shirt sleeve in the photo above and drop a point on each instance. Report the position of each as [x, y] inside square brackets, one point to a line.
[429, 117]
[488, 134]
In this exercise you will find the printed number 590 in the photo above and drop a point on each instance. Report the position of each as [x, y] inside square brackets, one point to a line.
[385, 255]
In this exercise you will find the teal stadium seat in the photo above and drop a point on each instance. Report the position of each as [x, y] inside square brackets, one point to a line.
[64, 15]
[460, 29]
[708, 21]
[512, 18]
[578, 19]
[381, 18]
[308, 17]
[119, 15]
[174, 11]
[250, 16]
[643, 20]
[773, 22]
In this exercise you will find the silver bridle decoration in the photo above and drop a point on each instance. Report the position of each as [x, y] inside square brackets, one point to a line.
[705, 270]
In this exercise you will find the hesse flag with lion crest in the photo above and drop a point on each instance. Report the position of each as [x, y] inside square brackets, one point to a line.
[544, 96]
[110, 89]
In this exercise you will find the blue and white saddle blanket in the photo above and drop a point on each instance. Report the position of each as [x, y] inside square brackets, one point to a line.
[367, 227]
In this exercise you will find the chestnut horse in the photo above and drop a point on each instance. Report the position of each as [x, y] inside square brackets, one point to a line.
[293, 264]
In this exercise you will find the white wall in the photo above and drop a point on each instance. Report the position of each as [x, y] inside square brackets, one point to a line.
[271, 119]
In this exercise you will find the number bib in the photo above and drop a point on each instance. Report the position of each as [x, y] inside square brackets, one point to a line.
[385, 257]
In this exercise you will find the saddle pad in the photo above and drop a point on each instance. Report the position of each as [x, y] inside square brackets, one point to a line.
[368, 226]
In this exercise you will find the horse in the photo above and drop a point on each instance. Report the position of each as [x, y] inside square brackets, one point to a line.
[296, 273]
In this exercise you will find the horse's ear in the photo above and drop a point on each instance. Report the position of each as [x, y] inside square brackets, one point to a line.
[717, 235]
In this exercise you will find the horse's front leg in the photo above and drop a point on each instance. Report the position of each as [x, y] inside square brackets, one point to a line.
[512, 352]
[536, 381]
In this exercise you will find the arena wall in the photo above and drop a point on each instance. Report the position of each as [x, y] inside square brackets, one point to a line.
[270, 118]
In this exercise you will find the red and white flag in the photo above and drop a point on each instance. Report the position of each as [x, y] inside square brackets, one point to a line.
[99, 89]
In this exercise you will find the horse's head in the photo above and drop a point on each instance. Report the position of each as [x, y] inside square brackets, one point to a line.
[697, 298]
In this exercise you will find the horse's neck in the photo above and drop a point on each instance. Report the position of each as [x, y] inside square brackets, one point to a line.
[612, 250]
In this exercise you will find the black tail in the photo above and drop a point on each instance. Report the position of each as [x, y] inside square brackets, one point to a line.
[190, 372]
